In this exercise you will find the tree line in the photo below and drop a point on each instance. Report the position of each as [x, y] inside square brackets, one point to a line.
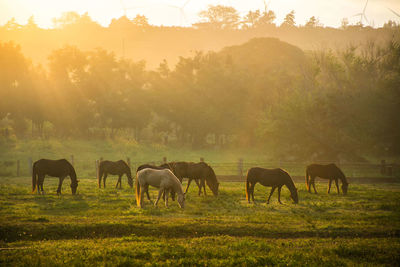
[264, 93]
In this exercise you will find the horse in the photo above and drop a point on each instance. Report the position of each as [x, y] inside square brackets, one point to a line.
[164, 179]
[56, 168]
[205, 174]
[162, 167]
[195, 171]
[329, 171]
[270, 177]
[119, 168]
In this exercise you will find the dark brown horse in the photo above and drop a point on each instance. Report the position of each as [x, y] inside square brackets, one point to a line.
[270, 177]
[329, 171]
[201, 172]
[56, 168]
[119, 168]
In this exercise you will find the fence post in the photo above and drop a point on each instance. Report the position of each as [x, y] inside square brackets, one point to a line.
[240, 168]
[72, 161]
[30, 165]
[18, 169]
[201, 159]
[383, 166]
[164, 160]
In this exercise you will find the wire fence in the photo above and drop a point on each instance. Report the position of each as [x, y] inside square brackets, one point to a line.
[88, 169]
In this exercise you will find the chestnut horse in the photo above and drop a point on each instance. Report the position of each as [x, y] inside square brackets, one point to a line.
[329, 171]
[195, 171]
[270, 177]
[119, 168]
[56, 168]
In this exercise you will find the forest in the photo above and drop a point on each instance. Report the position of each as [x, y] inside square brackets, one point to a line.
[263, 92]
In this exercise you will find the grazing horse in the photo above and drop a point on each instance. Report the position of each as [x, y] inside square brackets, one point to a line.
[162, 167]
[329, 171]
[164, 179]
[270, 177]
[203, 172]
[56, 168]
[119, 168]
[195, 171]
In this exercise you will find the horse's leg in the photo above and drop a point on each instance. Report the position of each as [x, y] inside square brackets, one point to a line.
[279, 194]
[204, 185]
[100, 175]
[272, 191]
[118, 182]
[40, 184]
[166, 197]
[142, 190]
[252, 191]
[313, 184]
[104, 180]
[329, 185]
[337, 186]
[187, 187]
[60, 182]
[201, 185]
[147, 193]
[159, 196]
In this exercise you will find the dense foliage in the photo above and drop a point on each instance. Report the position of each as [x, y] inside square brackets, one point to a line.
[264, 92]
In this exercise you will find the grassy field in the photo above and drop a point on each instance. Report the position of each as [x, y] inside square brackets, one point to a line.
[103, 227]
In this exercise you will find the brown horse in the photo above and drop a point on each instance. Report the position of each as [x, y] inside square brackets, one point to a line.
[195, 171]
[56, 168]
[119, 168]
[329, 171]
[270, 177]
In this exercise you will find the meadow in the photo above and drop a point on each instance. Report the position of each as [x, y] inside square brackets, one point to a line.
[104, 227]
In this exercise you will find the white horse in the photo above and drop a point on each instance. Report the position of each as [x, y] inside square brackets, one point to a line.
[165, 180]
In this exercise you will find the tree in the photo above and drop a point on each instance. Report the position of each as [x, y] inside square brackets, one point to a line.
[312, 22]
[289, 20]
[220, 17]
[141, 21]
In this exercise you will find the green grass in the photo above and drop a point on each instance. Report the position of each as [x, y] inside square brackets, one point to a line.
[104, 227]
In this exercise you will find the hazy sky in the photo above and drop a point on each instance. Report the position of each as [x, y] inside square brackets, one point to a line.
[167, 12]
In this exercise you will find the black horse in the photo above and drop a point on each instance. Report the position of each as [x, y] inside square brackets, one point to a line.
[119, 168]
[270, 177]
[56, 168]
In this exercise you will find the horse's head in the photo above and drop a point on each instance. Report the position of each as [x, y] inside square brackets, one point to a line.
[130, 181]
[344, 187]
[181, 200]
[294, 196]
[74, 186]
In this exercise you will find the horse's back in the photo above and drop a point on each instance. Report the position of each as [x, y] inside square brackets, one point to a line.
[268, 177]
[324, 170]
[156, 177]
[52, 167]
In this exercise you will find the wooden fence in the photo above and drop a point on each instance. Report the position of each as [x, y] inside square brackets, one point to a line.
[87, 169]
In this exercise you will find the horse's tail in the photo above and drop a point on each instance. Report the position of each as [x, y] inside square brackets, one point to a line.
[34, 180]
[307, 179]
[137, 191]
